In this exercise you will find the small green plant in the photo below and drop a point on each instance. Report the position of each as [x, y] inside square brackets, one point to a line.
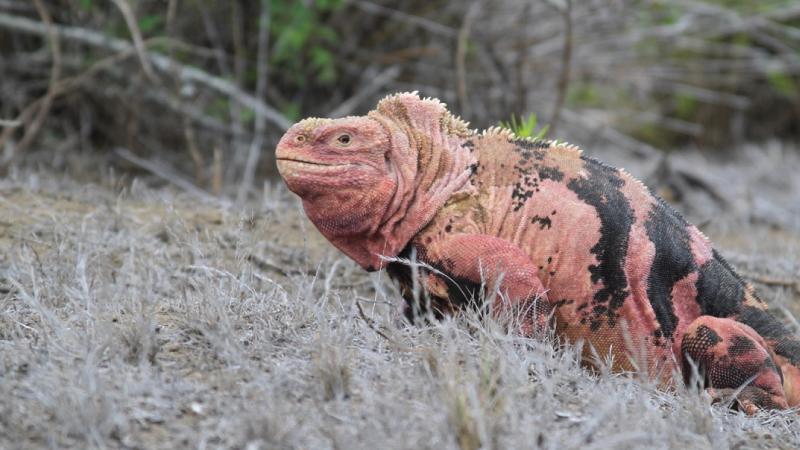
[527, 127]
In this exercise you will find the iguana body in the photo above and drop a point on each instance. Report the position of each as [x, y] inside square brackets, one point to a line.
[568, 241]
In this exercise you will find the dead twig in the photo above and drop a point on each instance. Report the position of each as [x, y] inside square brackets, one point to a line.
[270, 266]
[217, 172]
[371, 324]
[47, 101]
[61, 87]
[229, 72]
[10, 123]
[172, 9]
[190, 110]
[773, 281]
[156, 94]
[585, 121]
[194, 152]
[161, 170]
[20, 6]
[376, 84]
[430, 25]
[136, 35]
[566, 61]
[167, 65]
[461, 55]
[254, 152]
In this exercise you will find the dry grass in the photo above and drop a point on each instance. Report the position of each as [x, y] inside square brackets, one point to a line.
[141, 318]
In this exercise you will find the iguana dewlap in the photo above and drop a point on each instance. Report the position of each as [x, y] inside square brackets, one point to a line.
[561, 235]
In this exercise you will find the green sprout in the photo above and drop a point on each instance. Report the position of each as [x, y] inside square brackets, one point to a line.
[527, 127]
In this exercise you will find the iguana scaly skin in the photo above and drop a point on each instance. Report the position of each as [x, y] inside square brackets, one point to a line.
[572, 243]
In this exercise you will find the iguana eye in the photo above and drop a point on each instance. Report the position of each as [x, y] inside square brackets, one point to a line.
[344, 139]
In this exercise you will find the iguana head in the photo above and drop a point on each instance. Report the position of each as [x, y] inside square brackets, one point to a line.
[369, 183]
[340, 169]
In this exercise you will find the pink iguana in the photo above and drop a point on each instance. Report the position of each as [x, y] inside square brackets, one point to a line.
[577, 245]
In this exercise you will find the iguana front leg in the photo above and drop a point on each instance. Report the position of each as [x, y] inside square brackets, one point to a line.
[464, 261]
[733, 358]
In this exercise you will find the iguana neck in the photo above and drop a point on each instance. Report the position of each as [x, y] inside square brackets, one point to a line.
[429, 164]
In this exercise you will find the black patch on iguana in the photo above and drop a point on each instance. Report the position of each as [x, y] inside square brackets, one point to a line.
[672, 262]
[542, 221]
[601, 190]
[771, 329]
[720, 292]
[461, 292]
[709, 336]
[550, 173]
[531, 144]
[740, 345]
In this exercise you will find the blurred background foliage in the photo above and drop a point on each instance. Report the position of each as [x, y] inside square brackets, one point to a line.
[202, 90]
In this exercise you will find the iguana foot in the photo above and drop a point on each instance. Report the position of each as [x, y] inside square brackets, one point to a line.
[749, 400]
[537, 317]
[731, 357]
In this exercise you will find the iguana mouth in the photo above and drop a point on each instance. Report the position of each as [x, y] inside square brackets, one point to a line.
[304, 161]
[295, 166]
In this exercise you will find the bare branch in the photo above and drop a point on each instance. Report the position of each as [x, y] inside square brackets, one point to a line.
[161, 170]
[59, 88]
[566, 60]
[421, 22]
[11, 5]
[194, 152]
[217, 172]
[184, 72]
[172, 9]
[371, 324]
[236, 128]
[586, 122]
[375, 84]
[461, 55]
[6, 123]
[261, 87]
[136, 35]
[47, 101]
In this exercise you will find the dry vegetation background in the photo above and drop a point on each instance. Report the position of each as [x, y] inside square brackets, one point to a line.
[159, 288]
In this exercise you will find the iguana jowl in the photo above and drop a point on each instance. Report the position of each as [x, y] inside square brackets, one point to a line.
[559, 233]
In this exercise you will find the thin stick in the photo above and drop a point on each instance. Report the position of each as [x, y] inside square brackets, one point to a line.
[10, 123]
[172, 9]
[430, 25]
[47, 101]
[371, 324]
[194, 152]
[136, 36]
[63, 86]
[229, 73]
[21, 6]
[160, 62]
[773, 281]
[217, 172]
[378, 82]
[566, 62]
[162, 172]
[254, 152]
[461, 56]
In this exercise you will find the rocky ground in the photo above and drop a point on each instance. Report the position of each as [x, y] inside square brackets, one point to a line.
[136, 316]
